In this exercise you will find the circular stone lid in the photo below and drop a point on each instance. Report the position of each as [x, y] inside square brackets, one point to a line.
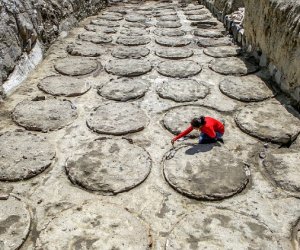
[24, 155]
[95, 226]
[128, 67]
[111, 17]
[135, 18]
[269, 121]
[184, 90]
[105, 23]
[222, 51]
[174, 53]
[117, 119]
[193, 7]
[109, 166]
[196, 18]
[179, 69]
[168, 24]
[207, 33]
[172, 41]
[76, 66]
[133, 40]
[99, 29]
[124, 89]
[169, 18]
[196, 12]
[250, 88]
[15, 223]
[213, 42]
[124, 52]
[44, 115]
[169, 32]
[94, 37]
[79, 48]
[134, 32]
[64, 86]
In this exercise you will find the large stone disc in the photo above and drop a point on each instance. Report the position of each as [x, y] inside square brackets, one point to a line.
[109, 166]
[169, 18]
[135, 18]
[169, 32]
[207, 33]
[136, 25]
[130, 52]
[99, 29]
[128, 67]
[75, 66]
[111, 17]
[233, 66]
[105, 23]
[178, 119]
[124, 89]
[117, 119]
[196, 12]
[172, 41]
[213, 42]
[196, 18]
[217, 229]
[184, 90]
[168, 24]
[64, 86]
[174, 53]
[133, 40]
[79, 48]
[14, 223]
[95, 226]
[94, 37]
[24, 155]
[222, 51]
[269, 121]
[249, 88]
[45, 115]
[192, 7]
[134, 32]
[179, 69]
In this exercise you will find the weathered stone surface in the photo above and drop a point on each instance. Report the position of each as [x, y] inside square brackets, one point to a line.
[94, 37]
[134, 32]
[214, 228]
[111, 17]
[233, 66]
[191, 7]
[124, 52]
[196, 12]
[169, 32]
[222, 51]
[95, 225]
[128, 67]
[229, 6]
[214, 42]
[15, 223]
[105, 23]
[64, 86]
[74, 67]
[117, 119]
[135, 18]
[168, 24]
[136, 25]
[88, 49]
[133, 40]
[207, 33]
[109, 166]
[124, 89]
[44, 115]
[199, 17]
[99, 29]
[174, 53]
[249, 88]
[184, 90]
[168, 18]
[269, 121]
[172, 41]
[180, 69]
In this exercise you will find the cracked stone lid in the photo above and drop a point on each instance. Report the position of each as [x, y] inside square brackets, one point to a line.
[135, 18]
[128, 67]
[172, 41]
[76, 66]
[269, 121]
[179, 69]
[24, 155]
[250, 88]
[124, 89]
[95, 225]
[105, 23]
[213, 228]
[117, 119]
[233, 66]
[14, 223]
[109, 166]
[133, 40]
[183, 90]
[206, 171]
[174, 53]
[80, 48]
[222, 51]
[168, 24]
[169, 32]
[213, 42]
[207, 33]
[64, 86]
[44, 115]
[125, 52]
[94, 37]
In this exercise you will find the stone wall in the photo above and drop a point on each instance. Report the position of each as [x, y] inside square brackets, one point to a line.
[24, 22]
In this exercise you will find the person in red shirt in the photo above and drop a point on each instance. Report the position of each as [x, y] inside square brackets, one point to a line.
[211, 129]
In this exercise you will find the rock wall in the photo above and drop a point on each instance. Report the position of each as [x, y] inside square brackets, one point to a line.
[226, 6]
[24, 22]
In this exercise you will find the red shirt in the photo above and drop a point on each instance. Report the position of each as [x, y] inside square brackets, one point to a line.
[210, 128]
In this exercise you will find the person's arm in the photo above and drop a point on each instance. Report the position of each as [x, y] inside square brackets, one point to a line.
[183, 133]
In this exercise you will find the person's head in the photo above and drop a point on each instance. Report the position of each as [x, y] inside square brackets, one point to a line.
[198, 122]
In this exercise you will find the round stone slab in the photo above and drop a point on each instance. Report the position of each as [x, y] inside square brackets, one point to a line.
[75, 66]
[95, 226]
[169, 18]
[178, 119]
[135, 18]
[222, 51]
[24, 155]
[250, 88]
[213, 228]
[174, 53]
[196, 12]
[232, 66]
[79, 48]
[64, 86]
[128, 67]
[179, 69]
[207, 33]
[169, 32]
[133, 40]
[196, 18]
[94, 37]
[136, 25]
[183, 90]
[15, 223]
[130, 52]
[134, 32]
[117, 119]
[105, 23]
[44, 115]
[109, 166]
[168, 24]
[269, 121]
[195, 172]
[99, 29]
[172, 41]
[213, 42]
[192, 7]
[111, 17]
[124, 89]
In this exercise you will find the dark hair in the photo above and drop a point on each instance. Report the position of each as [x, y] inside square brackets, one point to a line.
[198, 122]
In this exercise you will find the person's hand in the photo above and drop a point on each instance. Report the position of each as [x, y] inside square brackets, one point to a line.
[173, 141]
